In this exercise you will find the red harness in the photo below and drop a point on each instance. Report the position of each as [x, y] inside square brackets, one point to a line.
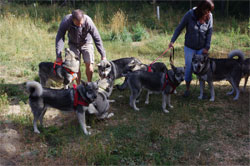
[68, 70]
[54, 67]
[78, 101]
[170, 83]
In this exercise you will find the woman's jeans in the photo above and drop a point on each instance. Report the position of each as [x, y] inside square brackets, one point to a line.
[189, 53]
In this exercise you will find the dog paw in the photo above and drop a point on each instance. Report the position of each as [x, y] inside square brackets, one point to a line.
[200, 97]
[87, 133]
[110, 115]
[170, 106]
[175, 92]
[212, 99]
[137, 101]
[136, 109]
[37, 131]
[229, 93]
[111, 101]
[88, 127]
[146, 102]
[166, 111]
[236, 98]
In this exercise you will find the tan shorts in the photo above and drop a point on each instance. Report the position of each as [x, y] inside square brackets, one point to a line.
[87, 52]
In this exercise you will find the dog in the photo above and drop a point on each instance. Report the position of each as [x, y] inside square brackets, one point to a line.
[211, 69]
[155, 67]
[72, 99]
[245, 65]
[101, 105]
[164, 83]
[114, 69]
[64, 73]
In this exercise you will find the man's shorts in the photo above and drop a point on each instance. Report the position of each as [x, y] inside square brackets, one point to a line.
[87, 52]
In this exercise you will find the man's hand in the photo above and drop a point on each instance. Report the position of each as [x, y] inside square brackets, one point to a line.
[104, 58]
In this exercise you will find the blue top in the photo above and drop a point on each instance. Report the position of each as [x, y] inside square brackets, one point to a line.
[197, 35]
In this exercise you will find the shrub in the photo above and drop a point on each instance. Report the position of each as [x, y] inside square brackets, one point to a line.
[139, 32]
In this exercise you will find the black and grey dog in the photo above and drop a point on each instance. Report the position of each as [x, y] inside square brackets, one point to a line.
[211, 69]
[100, 106]
[164, 83]
[245, 65]
[155, 67]
[114, 69]
[64, 73]
[73, 99]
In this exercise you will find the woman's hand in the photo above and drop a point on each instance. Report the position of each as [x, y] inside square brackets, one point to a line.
[171, 45]
[204, 51]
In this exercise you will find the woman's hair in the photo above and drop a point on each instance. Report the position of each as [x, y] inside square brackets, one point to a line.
[202, 7]
[77, 14]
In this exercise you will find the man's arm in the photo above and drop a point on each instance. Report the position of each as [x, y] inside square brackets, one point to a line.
[60, 37]
[97, 38]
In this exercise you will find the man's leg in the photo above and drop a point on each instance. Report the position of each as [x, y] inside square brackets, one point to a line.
[78, 53]
[88, 58]
[89, 71]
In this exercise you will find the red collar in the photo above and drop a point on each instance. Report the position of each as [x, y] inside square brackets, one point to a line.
[78, 100]
[150, 68]
[167, 81]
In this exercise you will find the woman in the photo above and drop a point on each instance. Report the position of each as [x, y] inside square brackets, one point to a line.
[199, 26]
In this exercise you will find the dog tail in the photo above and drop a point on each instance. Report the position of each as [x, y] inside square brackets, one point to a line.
[35, 89]
[237, 53]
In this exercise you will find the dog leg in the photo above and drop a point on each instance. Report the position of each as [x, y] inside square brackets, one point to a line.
[211, 87]
[81, 119]
[164, 103]
[42, 115]
[168, 100]
[245, 84]
[133, 100]
[147, 97]
[35, 125]
[202, 84]
[66, 86]
[235, 87]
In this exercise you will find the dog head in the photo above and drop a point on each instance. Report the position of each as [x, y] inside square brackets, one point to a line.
[199, 62]
[88, 90]
[71, 61]
[179, 73]
[104, 68]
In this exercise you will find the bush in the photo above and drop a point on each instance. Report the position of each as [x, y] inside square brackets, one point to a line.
[139, 32]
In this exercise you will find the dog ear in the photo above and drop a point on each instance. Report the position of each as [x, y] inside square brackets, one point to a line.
[173, 67]
[84, 83]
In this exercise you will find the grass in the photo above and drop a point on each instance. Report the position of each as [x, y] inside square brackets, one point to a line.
[193, 133]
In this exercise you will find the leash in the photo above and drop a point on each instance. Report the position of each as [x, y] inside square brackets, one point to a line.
[171, 55]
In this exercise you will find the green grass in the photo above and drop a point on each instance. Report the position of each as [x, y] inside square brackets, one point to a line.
[193, 133]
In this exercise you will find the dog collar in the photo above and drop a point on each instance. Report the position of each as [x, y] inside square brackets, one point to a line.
[168, 81]
[150, 68]
[78, 100]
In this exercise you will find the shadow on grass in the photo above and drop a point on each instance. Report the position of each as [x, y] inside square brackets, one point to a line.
[14, 93]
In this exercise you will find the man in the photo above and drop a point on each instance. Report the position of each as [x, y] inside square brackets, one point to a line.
[81, 32]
